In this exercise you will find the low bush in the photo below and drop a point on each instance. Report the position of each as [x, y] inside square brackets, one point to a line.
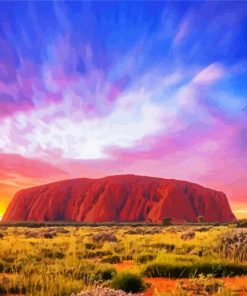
[9, 259]
[61, 230]
[9, 286]
[203, 228]
[48, 253]
[95, 254]
[185, 249]
[201, 219]
[6, 267]
[119, 249]
[166, 221]
[233, 245]
[21, 263]
[155, 230]
[41, 234]
[111, 259]
[104, 236]
[144, 258]
[106, 274]
[141, 230]
[49, 235]
[88, 273]
[167, 247]
[90, 246]
[128, 257]
[198, 253]
[188, 235]
[242, 224]
[136, 230]
[128, 282]
[192, 270]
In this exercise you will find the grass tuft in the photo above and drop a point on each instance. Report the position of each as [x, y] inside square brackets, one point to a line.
[128, 282]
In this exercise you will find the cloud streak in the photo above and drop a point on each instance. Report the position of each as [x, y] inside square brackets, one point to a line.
[159, 96]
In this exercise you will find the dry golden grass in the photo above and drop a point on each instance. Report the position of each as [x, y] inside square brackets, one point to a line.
[59, 261]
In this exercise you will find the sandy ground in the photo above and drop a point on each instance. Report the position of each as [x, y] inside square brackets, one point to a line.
[167, 285]
[161, 285]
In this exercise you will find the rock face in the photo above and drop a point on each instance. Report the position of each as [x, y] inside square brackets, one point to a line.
[119, 198]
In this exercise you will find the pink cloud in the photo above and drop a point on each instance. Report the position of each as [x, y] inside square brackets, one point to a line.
[13, 164]
[183, 30]
[210, 74]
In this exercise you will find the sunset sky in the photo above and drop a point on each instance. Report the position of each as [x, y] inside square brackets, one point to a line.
[89, 89]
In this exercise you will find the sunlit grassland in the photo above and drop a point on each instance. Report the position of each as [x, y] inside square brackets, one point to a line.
[65, 260]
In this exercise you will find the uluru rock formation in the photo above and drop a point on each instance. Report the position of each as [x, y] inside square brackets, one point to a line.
[119, 198]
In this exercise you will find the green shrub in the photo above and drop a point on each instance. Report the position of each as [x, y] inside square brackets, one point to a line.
[166, 221]
[167, 247]
[144, 258]
[111, 259]
[128, 282]
[93, 246]
[47, 253]
[200, 219]
[192, 270]
[99, 253]
[106, 273]
[6, 267]
[59, 255]
[90, 246]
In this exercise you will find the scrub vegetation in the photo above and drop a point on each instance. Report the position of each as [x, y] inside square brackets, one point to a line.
[119, 259]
